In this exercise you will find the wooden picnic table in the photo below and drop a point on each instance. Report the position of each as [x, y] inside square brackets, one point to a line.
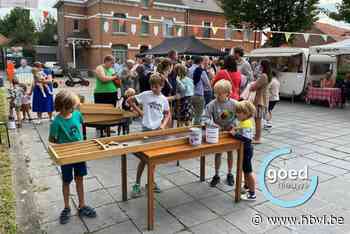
[158, 147]
[185, 151]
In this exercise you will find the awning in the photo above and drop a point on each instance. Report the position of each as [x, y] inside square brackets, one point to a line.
[337, 48]
[269, 55]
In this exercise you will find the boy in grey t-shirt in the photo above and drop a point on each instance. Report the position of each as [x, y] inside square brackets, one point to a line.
[221, 112]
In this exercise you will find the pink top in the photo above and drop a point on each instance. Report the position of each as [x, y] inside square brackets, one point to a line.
[234, 78]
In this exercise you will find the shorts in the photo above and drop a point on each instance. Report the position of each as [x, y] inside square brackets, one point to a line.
[272, 105]
[260, 112]
[247, 159]
[67, 171]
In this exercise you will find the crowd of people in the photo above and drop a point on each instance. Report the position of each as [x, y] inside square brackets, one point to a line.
[228, 93]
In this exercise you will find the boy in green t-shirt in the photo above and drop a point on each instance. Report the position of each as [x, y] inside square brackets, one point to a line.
[66, 128]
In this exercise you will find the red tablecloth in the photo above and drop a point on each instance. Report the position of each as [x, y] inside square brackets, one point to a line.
[332, 95]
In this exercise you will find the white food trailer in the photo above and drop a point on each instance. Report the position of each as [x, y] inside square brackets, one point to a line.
[295, 67]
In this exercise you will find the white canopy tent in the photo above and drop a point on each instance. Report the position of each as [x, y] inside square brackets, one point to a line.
[337, 48]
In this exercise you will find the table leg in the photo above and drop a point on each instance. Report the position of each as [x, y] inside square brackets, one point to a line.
[84, 131]
[239, 173]
[202, 164]
[150, 194]
[124, 178]
[108, 130]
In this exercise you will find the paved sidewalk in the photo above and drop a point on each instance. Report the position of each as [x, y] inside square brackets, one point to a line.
[319, 137]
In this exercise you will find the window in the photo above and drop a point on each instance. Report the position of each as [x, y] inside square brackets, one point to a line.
[229, 32]
[168, 28]
[75, 25]
[144, 25]
[145, 3]
[248, 35]
[288, 64]
[206, 29]
[120, 52]
[119, 25]
[319, 68]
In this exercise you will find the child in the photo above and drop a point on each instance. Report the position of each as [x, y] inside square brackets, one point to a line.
[274, 98]
[15, 95]
[245, 111]
[185, 88]
[39, 80]
[66, 128]
[155, 115]
[130, 92]
[221, 112]
[26, 104]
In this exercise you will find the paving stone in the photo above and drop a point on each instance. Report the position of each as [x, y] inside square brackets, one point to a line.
[319, 157]
[217, 226]
[170, 198]
[75, 226]
[106, 216]
[330, 170]
[340, 164]
[182, 178]
[126, 227]
[96, 199]
[193, 213]
[223, 204]
[200, 190]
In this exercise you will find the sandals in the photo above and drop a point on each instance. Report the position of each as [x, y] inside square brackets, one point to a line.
[65, 216]
[87, 211]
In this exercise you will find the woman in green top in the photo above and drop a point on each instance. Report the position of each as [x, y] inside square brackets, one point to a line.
[106, 89]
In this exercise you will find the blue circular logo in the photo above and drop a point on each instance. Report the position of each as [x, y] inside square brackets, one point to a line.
[262, 182]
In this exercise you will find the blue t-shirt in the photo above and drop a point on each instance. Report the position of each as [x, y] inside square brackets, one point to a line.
[66, 130]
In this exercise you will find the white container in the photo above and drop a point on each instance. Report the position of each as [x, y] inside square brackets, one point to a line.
[212, 134]
[195, 138]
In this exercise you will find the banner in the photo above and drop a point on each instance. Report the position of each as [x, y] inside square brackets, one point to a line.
[215, 29]
[324, 37]
[306, 37]
[287, 35]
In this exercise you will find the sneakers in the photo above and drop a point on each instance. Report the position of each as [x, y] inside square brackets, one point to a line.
[215, 181]
[249, 196]
[244, 189]
[268, 125]
[156, 188]
[136, 191]
[65, 216]
[230, 179]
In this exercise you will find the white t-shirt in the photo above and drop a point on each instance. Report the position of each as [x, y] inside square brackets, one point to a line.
[153, 108]
[274, 90]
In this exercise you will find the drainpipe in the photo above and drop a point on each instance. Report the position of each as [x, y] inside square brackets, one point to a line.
[74, 59]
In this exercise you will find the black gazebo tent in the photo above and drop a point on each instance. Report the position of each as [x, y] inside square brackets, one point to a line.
[184, 46]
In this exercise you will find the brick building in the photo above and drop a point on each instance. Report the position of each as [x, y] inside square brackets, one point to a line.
[90, 29]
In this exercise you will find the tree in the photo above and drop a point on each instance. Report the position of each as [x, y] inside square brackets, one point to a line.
[47, 32]
[19, 27]
[343, 11]
[277, 15]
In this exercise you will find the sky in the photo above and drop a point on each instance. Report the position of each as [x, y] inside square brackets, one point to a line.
[48, 4]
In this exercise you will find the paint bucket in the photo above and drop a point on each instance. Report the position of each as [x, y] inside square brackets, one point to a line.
[11, 125]
[212, 134]
[195, 138]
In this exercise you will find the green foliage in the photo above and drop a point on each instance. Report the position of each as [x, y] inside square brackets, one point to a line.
[278, 15]
[19, 27]
[343, 11]
[47, 32]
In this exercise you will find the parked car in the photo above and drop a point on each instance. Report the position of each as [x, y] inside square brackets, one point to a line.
[57, 69]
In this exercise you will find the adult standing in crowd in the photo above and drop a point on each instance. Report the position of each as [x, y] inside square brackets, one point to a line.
[128, 76]
[106, 89]
[144, 72]
[243, 67]
[164, 68]
[208, 91]
[173, 57]
[118, 67]
[10, 71]
[261, 97]
[24, 73]
[230, 73]
[43, 104]
[200, 80]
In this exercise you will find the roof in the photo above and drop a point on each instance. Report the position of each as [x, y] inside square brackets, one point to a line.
[3, 40]
[60, 2]
[183, 45]
[170, 2]
[276, 52]
[203, 5]
[337, 33]
[337, 48]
